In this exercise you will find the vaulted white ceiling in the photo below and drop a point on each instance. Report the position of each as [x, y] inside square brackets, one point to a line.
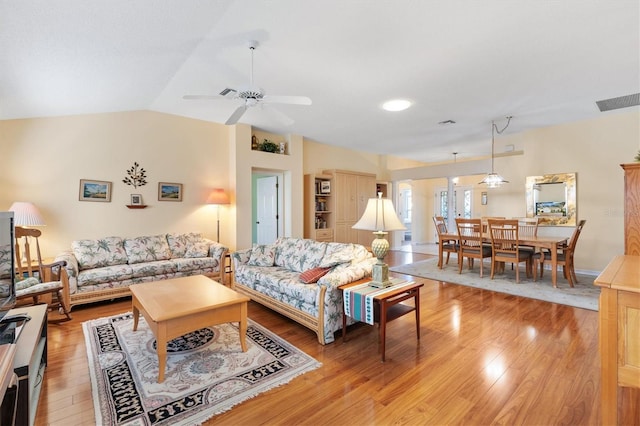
[544, 62]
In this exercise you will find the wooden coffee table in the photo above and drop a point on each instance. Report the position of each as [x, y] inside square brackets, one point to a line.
[178, 306]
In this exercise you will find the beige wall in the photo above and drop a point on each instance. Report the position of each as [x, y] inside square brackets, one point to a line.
[44, 159]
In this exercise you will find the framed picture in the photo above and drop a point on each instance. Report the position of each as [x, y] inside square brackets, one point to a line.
[136, 199]
[325, 187]
[483, 199]
[169, 191]
[95, 190]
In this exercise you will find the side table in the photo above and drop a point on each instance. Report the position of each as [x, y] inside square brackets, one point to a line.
[388, 306]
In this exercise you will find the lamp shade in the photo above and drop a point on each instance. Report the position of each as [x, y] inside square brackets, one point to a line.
[218, 196]
[379, 216]
[26, 214]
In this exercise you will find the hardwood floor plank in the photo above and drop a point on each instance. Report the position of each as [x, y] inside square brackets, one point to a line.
[482, 358]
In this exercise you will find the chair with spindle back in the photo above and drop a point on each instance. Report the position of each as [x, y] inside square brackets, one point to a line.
[565, 257]
[470, 240]
[35, 280]
[448, 246]
[505, 246]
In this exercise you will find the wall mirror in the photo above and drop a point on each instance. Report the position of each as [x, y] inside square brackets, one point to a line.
[552, 199]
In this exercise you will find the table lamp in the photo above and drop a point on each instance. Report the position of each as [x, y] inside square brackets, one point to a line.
[218, 197]
[380, 217]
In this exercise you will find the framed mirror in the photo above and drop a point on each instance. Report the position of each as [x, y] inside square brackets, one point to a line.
[552, 199]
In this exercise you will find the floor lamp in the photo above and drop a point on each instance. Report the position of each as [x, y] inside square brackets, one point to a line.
[380, 217]
[218, 197]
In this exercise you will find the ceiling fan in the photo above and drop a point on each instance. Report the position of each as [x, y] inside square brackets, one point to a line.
[251, 96]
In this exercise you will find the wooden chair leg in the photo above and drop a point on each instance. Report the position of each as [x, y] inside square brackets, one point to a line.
[62, 307]
[448, 254]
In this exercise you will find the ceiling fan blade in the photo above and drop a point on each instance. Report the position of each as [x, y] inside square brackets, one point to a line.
[236, 115]
[227, 90]
[202, 97]
[295, 100]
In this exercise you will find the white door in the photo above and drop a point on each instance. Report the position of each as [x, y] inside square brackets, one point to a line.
[462, 204]
[266, 209]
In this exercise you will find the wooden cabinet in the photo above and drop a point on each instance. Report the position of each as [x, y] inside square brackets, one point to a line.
[352, 192]
[631, 208]
[619, 321]
[319, 207]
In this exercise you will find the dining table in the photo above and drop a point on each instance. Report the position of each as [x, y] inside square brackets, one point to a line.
[542, 242]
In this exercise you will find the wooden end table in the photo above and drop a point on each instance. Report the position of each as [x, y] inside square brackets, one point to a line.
[388, 306]
[178, 306]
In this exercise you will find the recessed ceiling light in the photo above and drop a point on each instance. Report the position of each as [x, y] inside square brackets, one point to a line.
[396, 105]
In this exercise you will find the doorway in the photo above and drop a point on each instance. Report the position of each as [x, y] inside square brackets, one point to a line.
[461, 205]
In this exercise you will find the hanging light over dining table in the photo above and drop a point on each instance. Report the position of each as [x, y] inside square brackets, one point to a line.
[493, 179]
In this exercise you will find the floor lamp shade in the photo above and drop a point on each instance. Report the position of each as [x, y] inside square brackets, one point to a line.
[380, 217]
[218, 197]
[26, 214]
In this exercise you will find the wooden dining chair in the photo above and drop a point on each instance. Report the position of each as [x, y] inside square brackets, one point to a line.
[505, 246]
[448, 246]
[565, 257]
[485, 222]
[37, 282]
[470, 240]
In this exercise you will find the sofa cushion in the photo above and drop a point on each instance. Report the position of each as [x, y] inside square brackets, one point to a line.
[338, 253]
[298, 254]
[104, 275]
[99, 253]
[196, 263]
[262, 255]
[147, 249]
[197, 249]
[150, 269]
[311, 276]
[179, 243]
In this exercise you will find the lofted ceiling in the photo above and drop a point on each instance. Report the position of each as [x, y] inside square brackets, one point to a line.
[545, 62]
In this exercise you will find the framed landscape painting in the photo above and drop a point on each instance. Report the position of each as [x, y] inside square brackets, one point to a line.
[95, 190]
[169, 191]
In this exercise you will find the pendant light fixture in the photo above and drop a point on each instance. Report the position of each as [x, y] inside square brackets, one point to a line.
[494, 180]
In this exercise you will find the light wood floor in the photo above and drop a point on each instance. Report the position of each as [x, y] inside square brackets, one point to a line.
[483, 358]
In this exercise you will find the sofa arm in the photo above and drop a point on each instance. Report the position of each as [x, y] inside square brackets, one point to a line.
[72, 267]
[347, 273]
[240, 257]
[217, 251]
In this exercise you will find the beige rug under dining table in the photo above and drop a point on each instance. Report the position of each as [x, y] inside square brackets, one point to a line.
[177, 306]
[547, 242]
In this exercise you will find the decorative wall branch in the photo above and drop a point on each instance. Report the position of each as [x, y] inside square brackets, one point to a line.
[136, 176]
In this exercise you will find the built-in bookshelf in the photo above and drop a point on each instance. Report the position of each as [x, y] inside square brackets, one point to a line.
[318, 207]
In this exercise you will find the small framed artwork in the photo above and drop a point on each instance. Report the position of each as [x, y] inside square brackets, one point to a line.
[325, 187]
[95, 190]
[136, 199]
[483, 199]
[169, 191]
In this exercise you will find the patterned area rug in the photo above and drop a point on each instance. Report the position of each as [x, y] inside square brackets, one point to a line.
[207, 372]
[584, 295]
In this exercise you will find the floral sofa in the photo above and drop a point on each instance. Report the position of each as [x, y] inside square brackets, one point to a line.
[299, 279]
[103, 269]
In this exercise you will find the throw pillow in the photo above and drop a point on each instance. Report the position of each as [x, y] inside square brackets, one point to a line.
[197, 249]
[312, 275]
[262, 255]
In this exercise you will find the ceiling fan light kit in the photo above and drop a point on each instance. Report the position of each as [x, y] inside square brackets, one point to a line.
[251, 96]
[493, 179]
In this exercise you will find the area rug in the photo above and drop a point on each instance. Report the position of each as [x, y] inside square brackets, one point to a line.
[584, 295]
[207, 372]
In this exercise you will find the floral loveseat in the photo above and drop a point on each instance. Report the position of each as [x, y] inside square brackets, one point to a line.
[274, 275]
[104, 269]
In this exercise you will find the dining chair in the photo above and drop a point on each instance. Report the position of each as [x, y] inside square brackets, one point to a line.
[470, 240]
[527, 227]
[36, 281]
[485, 222]
[448, 246]
[565, 257]
[505, 246]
